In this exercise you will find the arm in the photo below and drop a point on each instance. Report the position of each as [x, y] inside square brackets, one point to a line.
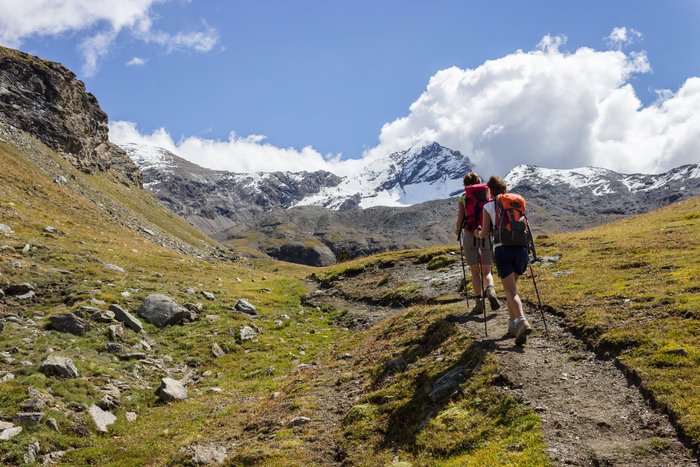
[485, 225]
[460, 217]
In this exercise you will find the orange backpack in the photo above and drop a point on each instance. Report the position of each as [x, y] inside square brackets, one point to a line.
[511, 227]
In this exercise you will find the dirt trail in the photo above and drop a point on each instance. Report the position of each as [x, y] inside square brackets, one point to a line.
[590, 414]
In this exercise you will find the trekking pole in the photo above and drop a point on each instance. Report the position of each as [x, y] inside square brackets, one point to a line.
[464, 271]
[532, 273]
[481, 276]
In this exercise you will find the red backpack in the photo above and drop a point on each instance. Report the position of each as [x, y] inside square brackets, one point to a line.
[511, 227]
[475, 196]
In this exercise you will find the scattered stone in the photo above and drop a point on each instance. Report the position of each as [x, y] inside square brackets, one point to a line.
[206, 454]
[32, 451]
[14, 319]
[195, 307]
[120, 314]
[247, 333]
[265, 290]
[5, 425]
[10, 433]
[103, 316]
[7, 249]
[162, 311]
[244, 306]
[60, 180]
[51, 230]
[102, 418]
[69, 322]
[131, 416]
[97, 302]
[298, 421]
[6, 229]
[561, 273]
[190, 290]
[238, 279]
[270, 371]
[58, 366]
[679, 351]
[217, 350]
[345, 356]
[19, 289]
[208, 295]
[159, 274]
[215, 390]
[7, 377]
[28, 418]
[171, 390]
[279, 324]
[148, 231]
[52, 424]
[145, 345]
[113, 267]
[448, 384]
[125, 294]
[115, 332]
[132, 356]
[108, 402]
[26, 249]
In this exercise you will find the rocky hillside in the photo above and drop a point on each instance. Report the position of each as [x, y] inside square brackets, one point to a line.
[46, 100]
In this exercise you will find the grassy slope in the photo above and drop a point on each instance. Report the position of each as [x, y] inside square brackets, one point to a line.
[631, 289]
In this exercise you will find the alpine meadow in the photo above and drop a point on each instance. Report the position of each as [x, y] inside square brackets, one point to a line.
[158, 308]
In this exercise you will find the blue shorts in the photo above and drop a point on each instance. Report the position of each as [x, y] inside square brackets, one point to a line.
[511, 259]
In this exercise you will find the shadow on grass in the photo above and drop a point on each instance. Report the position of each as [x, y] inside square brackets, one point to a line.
[430, 396]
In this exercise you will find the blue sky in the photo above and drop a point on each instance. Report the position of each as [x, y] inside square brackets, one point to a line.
[328, 75]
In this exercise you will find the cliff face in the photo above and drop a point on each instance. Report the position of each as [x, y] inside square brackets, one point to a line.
[46, 100]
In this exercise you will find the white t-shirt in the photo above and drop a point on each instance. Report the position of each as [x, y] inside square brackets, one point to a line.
[490, 208]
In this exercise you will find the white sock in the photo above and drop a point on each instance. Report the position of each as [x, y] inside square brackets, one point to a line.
[520, 320]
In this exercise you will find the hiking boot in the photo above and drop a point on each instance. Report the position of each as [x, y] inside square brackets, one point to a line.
[522, 331]
[478, 308]
[493, 299]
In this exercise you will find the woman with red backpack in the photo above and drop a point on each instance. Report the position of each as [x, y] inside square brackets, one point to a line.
[503, 217]
[477, 252]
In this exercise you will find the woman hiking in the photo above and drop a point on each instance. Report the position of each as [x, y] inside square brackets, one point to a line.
[511, 260]
[468, 218]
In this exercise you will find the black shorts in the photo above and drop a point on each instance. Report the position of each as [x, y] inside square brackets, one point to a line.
[511, 259]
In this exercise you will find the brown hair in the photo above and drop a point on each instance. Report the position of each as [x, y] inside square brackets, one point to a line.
[471, 179]
[497, 186]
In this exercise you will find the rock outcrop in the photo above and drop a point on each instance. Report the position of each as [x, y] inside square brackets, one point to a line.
[47, 101]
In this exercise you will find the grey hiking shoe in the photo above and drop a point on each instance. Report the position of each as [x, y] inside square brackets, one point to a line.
[512, 329]
[493, 299]
[522, 331]
[478, 308]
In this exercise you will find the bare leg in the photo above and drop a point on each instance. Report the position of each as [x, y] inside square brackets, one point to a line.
[515, 306]
[476, 278]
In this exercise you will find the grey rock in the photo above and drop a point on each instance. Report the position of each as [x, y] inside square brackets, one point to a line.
[208, 295]
[190, 290]
[10, 433]
[115, 332]
[5, 425]
[102, 418]
[28, 418]
[32, 451]
[114, 347]
[87, 311]
[69, 322]
[246, 307]
[298, 421]
[103, 316]
[7, 377]
[217, 350]
[247, 333]
[120, 314]
[6, 229]
[114, 267]
[51, 230]
[27, 248]
[7, 249]
[58, 366]
[132, 356]
[19, 289]
[52, 424]
[108, 402]
[162, 311]
[207, 454]
[14, 319]
[131, 416]
[447, 385]
[171, 390]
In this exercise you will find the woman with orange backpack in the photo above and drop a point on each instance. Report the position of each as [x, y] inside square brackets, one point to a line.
[503, 217]
[477, 252]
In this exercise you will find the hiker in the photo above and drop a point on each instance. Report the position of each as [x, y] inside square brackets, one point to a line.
[468, 218]
[512, 259]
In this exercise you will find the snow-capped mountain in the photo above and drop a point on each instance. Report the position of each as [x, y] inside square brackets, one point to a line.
[421, 173]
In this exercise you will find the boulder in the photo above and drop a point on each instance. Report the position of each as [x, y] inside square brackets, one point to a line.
[206, 454]
[244, 306]
[217, 351]
[115, 332]
[298, 421]
[10, 433]
[19, 289]
[171, 390]
[209, 295]
[102, 418]
[120, 314]
[69, 322]
[58, 366]
[247, 333]
[28, 418]
[103, 316]
[113, 267]
[162, 311]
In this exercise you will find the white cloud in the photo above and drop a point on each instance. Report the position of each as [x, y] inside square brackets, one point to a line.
[21, 19]
[136, 61]
[622, 36]
[553, 109]
[236, 154]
